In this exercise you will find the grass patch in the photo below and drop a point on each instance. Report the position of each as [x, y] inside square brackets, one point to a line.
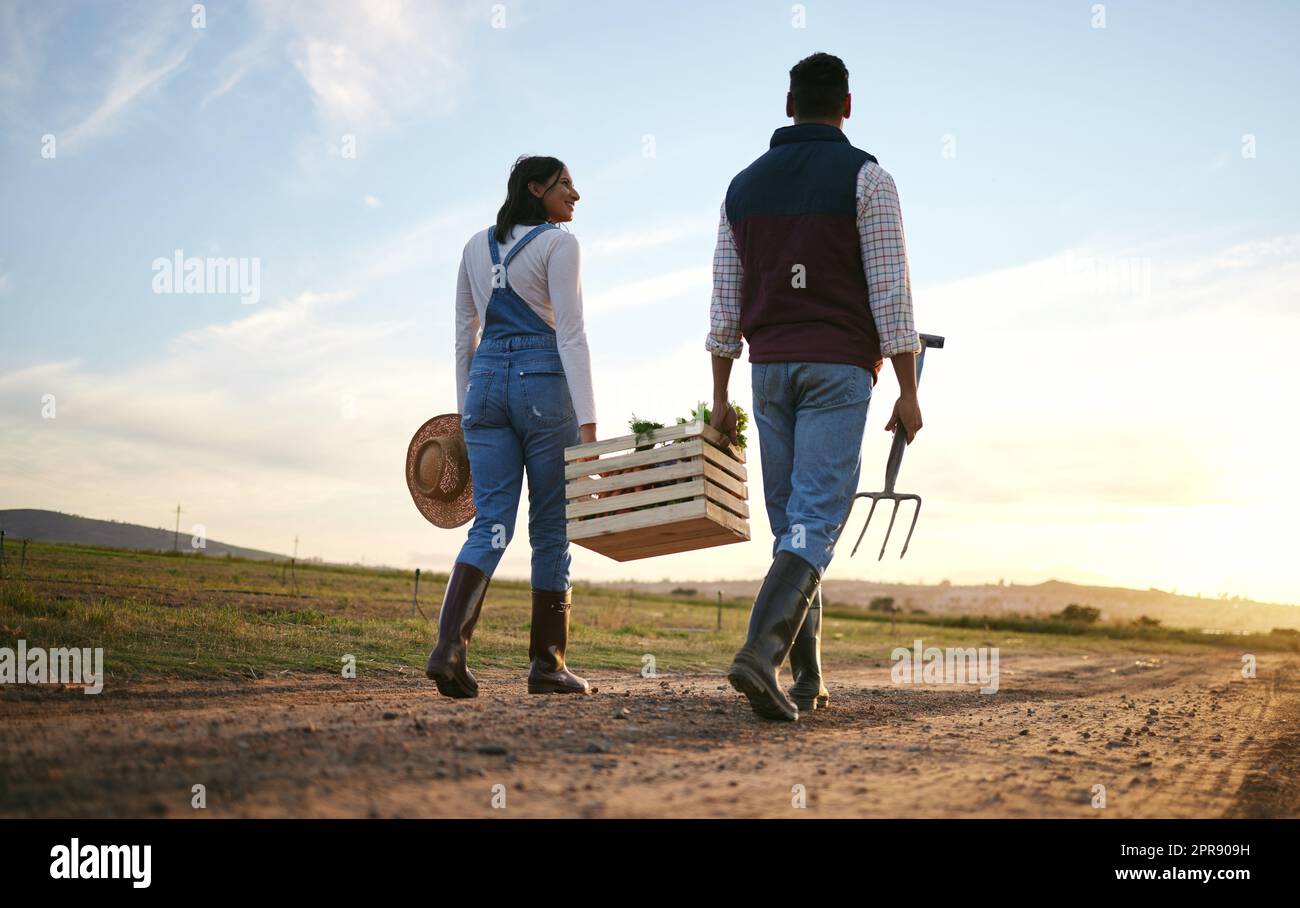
[199, 617]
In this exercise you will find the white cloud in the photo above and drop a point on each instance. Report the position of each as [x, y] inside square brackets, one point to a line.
[18, 35]
[140, 56]
[1246, 256]
[256, 51]
[368, 63]
[289, 331]
[297, 409]
[1126, 446]
[364, 62]
[371, 202]
[651, 237]
[269, 353]
[681, 282]
[148, 55]
[435, 242]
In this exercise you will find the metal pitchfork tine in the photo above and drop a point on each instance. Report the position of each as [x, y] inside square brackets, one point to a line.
[891, 471]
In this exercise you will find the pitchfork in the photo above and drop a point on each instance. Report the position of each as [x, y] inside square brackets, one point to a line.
[891, 471]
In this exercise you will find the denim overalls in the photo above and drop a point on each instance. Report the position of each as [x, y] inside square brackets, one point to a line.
[518, 416]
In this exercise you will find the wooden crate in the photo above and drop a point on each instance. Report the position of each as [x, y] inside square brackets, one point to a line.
[677, 497]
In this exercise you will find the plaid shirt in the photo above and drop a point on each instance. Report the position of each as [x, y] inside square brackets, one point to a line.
[884, 261]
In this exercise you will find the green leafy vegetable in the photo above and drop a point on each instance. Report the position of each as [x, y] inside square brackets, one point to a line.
[702, 413]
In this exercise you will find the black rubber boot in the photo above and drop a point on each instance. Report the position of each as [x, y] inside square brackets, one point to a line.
[547, 640]
[461, 605]
[808, 691]
[778, 613]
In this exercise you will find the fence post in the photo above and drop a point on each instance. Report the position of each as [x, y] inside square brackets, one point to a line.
[2, 554]
[719, 609]
[415, 598]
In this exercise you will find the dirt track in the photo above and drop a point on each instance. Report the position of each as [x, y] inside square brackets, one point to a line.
[1184, 737]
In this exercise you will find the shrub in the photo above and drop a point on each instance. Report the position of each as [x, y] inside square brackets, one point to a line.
[1084, 614]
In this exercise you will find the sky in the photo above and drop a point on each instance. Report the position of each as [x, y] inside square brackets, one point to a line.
[1101, 204]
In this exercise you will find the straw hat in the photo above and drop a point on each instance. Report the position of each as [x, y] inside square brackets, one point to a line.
[437, 472]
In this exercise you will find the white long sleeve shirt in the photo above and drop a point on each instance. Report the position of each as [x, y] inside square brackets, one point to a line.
[546, 274]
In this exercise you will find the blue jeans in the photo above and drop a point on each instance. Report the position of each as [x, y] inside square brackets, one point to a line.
[811, 418]
[518, 416]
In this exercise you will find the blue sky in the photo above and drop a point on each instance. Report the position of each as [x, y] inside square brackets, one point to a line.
[1076, 427]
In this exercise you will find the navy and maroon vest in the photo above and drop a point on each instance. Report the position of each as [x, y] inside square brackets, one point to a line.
[797, 206]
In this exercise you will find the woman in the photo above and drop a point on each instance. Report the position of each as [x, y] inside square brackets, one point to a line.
[524, 393]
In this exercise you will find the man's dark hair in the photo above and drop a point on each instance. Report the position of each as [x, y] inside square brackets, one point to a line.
[818, 85]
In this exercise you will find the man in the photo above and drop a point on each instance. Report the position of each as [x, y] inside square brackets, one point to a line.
[811, 270]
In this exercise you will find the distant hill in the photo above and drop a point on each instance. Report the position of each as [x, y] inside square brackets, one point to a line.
[51, 526]
[1116, 603]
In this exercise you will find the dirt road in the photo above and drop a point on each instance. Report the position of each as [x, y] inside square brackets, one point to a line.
[1177, 736]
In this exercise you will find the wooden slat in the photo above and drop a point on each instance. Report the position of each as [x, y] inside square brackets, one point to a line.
[584, 487]
[689, 489]
[718, 440]
[716, 474]
[669, 513]
[669, 433]
[724, 498]
[692, 448]
[657, 537]
[630, 546]
[680, 542]
[726, 518]
[677, 548]
[629, 442]
[735, 468]
[647, 542]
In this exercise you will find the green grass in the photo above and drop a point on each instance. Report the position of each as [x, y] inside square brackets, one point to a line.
[212, 640]
[162, 615]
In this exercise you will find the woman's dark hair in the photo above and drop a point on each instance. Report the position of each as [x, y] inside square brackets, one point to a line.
[521, 206]
[818, 85]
